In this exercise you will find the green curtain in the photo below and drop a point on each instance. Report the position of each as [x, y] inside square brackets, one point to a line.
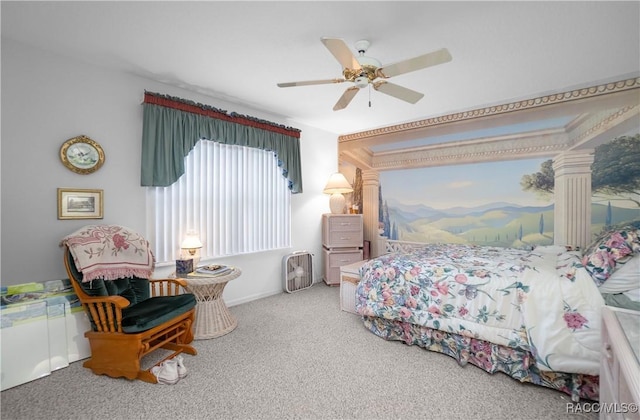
[169, 134]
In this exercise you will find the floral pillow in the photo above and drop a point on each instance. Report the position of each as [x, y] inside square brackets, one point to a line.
[630, 232]
[626, 277]
[601, 257]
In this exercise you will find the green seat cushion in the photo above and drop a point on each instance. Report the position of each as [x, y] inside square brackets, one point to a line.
[155, 311]
[144, 312]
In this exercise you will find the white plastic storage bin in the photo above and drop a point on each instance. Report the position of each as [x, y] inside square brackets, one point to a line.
[42, 330]
[349, 279]
[25, 343]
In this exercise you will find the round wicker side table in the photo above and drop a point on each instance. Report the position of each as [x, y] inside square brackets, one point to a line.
[213, 318]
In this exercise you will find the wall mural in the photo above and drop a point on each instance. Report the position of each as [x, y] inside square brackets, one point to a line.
[507, 204]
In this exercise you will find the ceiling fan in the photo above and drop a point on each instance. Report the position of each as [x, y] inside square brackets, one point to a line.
[366, 71]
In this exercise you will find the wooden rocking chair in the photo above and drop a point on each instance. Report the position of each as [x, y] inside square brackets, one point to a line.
[130, 318]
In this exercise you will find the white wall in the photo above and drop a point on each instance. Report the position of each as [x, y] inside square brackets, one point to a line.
[47, 99]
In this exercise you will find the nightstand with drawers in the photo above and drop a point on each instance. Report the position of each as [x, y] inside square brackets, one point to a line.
[342, 240]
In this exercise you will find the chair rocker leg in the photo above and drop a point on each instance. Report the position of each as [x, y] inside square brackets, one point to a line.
[180, 348]
[119, 355]
[114, 359]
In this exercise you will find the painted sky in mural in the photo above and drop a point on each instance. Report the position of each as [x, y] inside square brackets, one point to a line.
[463, 185]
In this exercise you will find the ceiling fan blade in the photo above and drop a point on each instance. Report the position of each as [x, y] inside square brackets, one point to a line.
[341, 52]
[346, 97]
[311, 82]
[416, 63]
[397, 91]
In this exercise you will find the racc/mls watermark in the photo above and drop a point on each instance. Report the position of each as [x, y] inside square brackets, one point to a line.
[610, 408]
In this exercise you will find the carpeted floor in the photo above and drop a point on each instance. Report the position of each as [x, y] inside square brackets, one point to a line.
[294, 356]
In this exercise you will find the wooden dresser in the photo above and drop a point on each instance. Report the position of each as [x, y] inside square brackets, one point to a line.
[620, 364]
[342, 240]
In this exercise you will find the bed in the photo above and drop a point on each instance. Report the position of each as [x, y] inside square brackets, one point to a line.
[532, 314]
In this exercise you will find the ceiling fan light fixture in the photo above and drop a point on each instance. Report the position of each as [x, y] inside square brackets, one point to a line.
[361, 81]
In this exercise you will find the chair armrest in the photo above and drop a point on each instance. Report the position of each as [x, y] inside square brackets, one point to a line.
[117, 301]
[167, 287]
[106, 311]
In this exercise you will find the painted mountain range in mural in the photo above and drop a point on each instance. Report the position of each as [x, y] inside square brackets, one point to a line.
[498, 224]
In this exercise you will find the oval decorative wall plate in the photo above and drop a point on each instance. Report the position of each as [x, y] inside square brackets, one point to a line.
[82, 155]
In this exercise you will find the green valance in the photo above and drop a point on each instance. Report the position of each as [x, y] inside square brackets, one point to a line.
[173, 126]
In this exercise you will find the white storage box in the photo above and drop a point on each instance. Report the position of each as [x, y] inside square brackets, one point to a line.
[77, 324]
[41, 330]
[349, 278]
[25, 343]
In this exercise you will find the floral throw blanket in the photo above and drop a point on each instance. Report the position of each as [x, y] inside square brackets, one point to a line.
[109, 252]
[541, 301]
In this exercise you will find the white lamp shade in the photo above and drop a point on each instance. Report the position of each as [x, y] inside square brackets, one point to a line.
[191, 241]
[337, 184]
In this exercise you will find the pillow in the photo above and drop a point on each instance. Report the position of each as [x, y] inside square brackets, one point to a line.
[629, 231]
[626, 276]
[634, 294]
[600, 262]
[632, 237]
[601, 256]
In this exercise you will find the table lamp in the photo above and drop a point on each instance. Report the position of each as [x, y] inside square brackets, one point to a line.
[336, 186]
[190, 246]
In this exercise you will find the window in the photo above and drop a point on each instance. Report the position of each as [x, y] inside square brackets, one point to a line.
[235, 197]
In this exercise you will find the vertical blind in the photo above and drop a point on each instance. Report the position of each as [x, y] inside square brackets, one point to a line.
[234, 197]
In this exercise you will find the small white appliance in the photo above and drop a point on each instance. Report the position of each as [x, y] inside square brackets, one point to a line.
[297, 270]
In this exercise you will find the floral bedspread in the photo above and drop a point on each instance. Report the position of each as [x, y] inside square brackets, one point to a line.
[541, 301]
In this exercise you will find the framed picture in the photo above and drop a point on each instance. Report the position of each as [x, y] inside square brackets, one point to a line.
[79, 204]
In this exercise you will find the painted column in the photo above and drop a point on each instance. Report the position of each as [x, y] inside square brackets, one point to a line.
[572, 195]
[370, 188]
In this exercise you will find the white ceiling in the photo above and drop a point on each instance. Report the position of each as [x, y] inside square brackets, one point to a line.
[238, 51]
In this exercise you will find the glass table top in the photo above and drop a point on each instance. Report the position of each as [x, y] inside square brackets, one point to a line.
[630, 323]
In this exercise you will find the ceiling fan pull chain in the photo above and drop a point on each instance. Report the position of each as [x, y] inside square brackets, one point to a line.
[369, 95]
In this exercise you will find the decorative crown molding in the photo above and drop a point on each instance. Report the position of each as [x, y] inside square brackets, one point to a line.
[555, 98]
[517, 146]
[599, 121]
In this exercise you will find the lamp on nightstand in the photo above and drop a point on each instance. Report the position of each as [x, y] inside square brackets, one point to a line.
[336, 186]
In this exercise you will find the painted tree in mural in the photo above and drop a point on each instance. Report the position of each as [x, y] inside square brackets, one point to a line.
[380, 216]
[541, 224]
[384, 221]
[357, 190]
[541, 182]
[616, 168]
[394, 232]
[615, 171]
